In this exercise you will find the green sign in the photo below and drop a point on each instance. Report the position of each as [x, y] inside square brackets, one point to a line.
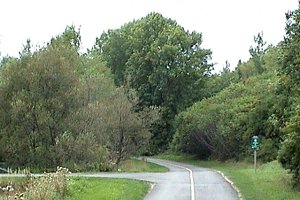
[255, 143]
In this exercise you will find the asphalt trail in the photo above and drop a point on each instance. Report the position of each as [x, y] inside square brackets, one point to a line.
[182, 182]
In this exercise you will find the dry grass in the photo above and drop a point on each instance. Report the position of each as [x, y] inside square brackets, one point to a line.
[45, 187]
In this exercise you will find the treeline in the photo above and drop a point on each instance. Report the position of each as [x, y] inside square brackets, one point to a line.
[210, 115]
[260, 97]
[145, 88]
[163, 63]
[58, 107]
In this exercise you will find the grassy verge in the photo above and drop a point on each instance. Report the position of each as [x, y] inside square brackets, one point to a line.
[82, 188]
[270, 182]
[134, 165]
[106, 189]
[89, 188]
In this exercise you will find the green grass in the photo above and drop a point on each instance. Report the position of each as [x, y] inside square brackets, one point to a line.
[270, 182]
[102, 188]
[134, 165]
[92, 188]
[106, 189]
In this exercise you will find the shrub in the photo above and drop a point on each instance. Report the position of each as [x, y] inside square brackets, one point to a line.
[81, 153]
[289, 153]
[48, 186]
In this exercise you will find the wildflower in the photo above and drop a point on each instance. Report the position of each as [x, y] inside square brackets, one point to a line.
[21, 196]
[10, 188]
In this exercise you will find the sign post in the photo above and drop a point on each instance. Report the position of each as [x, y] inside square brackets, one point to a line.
[254, 161]
[255, 146]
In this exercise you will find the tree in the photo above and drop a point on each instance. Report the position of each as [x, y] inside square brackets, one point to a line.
[69, 39]
[257, 52]
[38, 91]
[127, 133]
[107, 113]
[162, 62]
[289, 90]
[61, 108]
[289, 151]
[114, 46]
[221, 126]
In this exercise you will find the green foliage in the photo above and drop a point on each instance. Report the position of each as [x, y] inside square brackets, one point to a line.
[257, 52]
[162, 62]
[270, 181]
[239, 104]
[221, 126]
[37, 92]
[289, 154]
[104, 188]
[80, 153]
[262, 60]
[134, 165]
[218, 82]
[61, 108]
[70, 39]
[128, 133]
[289, 90]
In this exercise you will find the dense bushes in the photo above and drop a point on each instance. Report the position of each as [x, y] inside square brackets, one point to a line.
[62, 108]
[221, 126]
[289, 154]
[263, 101]
[165, 65]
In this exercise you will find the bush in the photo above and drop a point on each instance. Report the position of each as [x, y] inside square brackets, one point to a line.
[81, 153]
[289, 153]
[268, 150]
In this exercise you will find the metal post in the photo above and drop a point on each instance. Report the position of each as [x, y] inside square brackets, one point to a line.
[255, 161]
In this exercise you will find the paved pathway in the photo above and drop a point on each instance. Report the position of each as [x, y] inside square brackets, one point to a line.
[182, 182]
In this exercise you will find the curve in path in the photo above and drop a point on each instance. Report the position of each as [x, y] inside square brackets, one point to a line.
[192, 184]
[182, 182]
[191, 177]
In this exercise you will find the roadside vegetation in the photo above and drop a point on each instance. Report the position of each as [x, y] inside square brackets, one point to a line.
[145, 88]
[134, 165]
[259, 98]
[47, 188]
[60, 186]
[270, 181]
[104, 188]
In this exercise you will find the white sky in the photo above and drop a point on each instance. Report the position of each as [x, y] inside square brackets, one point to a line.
[228, 26]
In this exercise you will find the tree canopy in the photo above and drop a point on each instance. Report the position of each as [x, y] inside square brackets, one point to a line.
[144, 88]
[62, 108]
[162, 62]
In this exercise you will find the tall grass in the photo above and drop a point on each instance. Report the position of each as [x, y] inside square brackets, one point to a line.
[46, 187]
[49, 186]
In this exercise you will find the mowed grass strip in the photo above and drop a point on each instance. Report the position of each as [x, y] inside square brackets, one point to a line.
[134, 165]
[106, 189]
[91, 188]
[103, 188]
[113, 188]
[270, 182]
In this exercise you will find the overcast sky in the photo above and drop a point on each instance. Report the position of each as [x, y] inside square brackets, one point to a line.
[228, 26]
